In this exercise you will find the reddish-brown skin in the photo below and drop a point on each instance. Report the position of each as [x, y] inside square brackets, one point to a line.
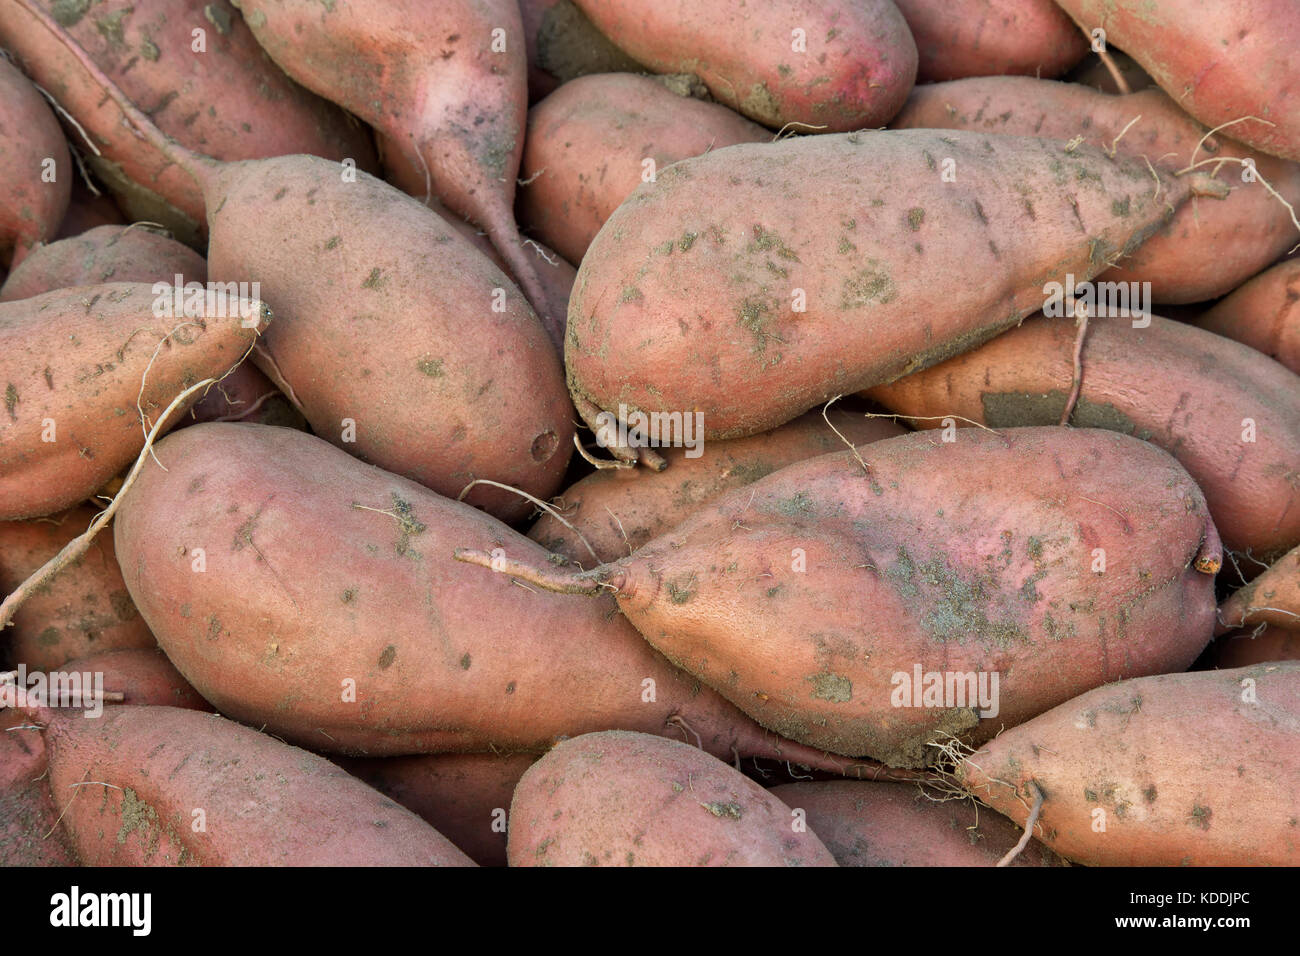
[263, 802]
[465, 797]
[618, 510]
[29, 835]
[1273, 598]
[1232, 62]
[1093, 72]
[897, 824]
[141, 676]
[321, 569]
[83, 610]
[1257, 646]
[856, 67]
[1264, 313]
[32, 149]
[562, 44]
[1211, 245]
[991, 38]
[588, 142]
[1194, 769]
[245, 395]
[87, 211]
[686, 299]
[104, 254]
[801, 597]
[73, 361]
[1193, 393]
[445, 82]
[627, 799]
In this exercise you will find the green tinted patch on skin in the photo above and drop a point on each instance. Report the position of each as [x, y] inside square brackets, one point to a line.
[872, 284]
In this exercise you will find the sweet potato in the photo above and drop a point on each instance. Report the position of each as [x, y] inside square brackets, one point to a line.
[991, 38]
[38, 169]
[589, 142]
[141, 676]
[1094, 72]
[465, 797]
[1230, 415]
[373, 347]
[1264, 313]
[448, 85]
[865, 234]
[245, 395]
[29, 835]
[897, 824]
[1222, 68]
[1208, 248]
[362, 635]
[618, 510]
[163, 786]
[1257, 646]
[833, 66]
[811, 597]
[1191, 769]
[74, 366]
[1273, 598]
[87, 211]
[628, 799]
[215, 92]
[562, 45]
[105, 254]
[83, 610]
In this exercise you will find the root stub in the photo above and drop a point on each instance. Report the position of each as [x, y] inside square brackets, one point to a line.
[559, 581]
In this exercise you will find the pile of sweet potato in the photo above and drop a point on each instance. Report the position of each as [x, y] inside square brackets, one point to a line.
[598, 432]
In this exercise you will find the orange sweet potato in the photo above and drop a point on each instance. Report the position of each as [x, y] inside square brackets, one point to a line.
[1273, 598]
[627, 799]
[1230, 415]
[1264, 313]
[38, 169]
[1191, 769]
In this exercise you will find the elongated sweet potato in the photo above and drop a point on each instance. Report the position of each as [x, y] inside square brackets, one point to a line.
[1222, 68]
[1191, 769]
[1273, 598]
[627, 799]
[73, 363]
[374, 347]
[589, 144]
[1209, 247]
[618, 510]
[562, 45]
[897, 824]
[29, 835]
[895, 267]
[1017, 569]
[363, 635]
[83, 610]
[38, 169]
[991, 38]
[833, 66]
[448, 85]
[141, 676]
[1230, 415]
[465, 797]
[213, 90]
[1259, 645]
[1264, 313]
[164, 786]
[104, 254]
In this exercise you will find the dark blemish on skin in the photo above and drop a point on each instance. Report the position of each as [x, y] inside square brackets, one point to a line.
[11, 401]
[374, 281]
[510, 688]
[349, 595]
[387, 657]
[465, 662]
[431, 367]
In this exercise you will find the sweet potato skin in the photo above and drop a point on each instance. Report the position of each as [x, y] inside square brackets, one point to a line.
[991, 38]
[1273, 598]
[627, 799]
[1210, 246]
[141, 676]
[1264, 313]
[377, 598]
[587, 143]
[73, 361]
[823, 216]
[31, 208]
[859, 63]
[27, 813]
[229, 101]
[1257, 646]
[264, 802]
[85, 609]
[1210, 398]
[465, 797]
[562, 45]
[1193, 769]
[618, 510]
[802, 597]
[896, 824]
[104, 254]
